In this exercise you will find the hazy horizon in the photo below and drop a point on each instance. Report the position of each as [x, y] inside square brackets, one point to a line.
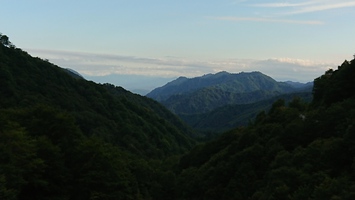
[292, 40]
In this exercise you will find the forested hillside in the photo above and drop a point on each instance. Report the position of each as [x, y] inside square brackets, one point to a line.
[294, 151]
[235, 83]
[230, 116]
[219, 102]
[62, 137]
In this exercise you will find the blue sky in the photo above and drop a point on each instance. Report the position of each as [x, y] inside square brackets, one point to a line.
[287, 40]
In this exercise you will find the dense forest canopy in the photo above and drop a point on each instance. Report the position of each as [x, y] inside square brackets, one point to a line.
[293, 151]
[62, 137]
[67, 138]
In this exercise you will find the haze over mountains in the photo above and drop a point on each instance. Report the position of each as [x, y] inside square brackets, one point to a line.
[194, 98]
[224, 82]
[203, 101]
[135, 83]
[143, 85]
[63, 137]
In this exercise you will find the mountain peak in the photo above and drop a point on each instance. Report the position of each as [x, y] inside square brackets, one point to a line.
[222, 73]
[201, 94]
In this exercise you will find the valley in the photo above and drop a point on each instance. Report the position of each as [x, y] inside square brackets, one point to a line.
[218, 136]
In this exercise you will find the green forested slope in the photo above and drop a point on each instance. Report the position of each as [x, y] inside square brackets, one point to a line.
[68, 138]
[208, 99]
[235, 83]
[62, 137]
[101, 110]
[230, 116]
[198, 95]
[294, 151]
[218, 102]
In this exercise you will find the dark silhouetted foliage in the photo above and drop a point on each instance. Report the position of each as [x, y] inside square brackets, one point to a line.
[293, 151]
[62, 137]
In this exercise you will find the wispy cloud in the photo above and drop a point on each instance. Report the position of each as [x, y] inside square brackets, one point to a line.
[281, 5]
[103, 64]
[280, 11]
[272, 20]
[322, 7]
[92, 64]
[309, 6]
[292, 69]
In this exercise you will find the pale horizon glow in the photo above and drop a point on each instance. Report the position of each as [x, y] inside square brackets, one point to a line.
[89, 64]
[287, 40]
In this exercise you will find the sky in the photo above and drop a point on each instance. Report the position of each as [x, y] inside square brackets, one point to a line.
[295, 40]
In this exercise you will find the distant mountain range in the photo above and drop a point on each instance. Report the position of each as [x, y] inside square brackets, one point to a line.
[63, 137]
[300, 85]
[238, 83]
[213, 102]
[199, 100]
[205, 93]
[138, 84]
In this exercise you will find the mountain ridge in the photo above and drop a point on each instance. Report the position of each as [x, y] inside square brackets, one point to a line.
[63, 137]
[205, 93]
[28, 81]
[295, 151]
[67, 138]
[225, 80]
[203, 102]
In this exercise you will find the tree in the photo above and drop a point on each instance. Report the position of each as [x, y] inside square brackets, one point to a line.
[4, 39]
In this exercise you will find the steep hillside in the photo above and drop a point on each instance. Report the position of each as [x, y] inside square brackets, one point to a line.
[294, 151]
[62, 137]
[208, 99]
[103, 110]
[230, 116]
